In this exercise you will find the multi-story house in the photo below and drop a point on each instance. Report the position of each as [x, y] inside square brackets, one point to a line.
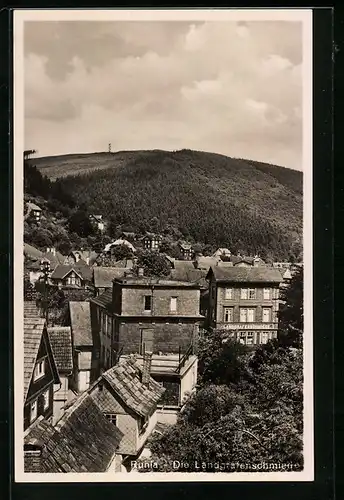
[83, 440]
[85, 349]
[149, 314]
[40, 371]
[67, 276]
[245, 301]
[151, 241]
[61, 343]
[186, 250]
[34, 211]
[128, 397]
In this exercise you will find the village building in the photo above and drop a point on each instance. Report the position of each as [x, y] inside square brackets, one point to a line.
[186, 250]
[72, 277]
[128, 397]
[151, 241]
[83, 440]
[97, 221]
[162, 314]
[222, 252]
[177, 374]
[40, 370]
[148, 314]
[33, 211]
[205, 263]
[61, 343]
[85, 348]
[245, 301]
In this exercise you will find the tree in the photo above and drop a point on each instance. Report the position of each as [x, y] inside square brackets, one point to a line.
[119, 252]
[80, 223]
[221, 360]
[152, 263]
[291, 311]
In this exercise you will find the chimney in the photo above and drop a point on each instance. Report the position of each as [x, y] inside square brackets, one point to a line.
[140, 271]
[32, 456]
[146, 369]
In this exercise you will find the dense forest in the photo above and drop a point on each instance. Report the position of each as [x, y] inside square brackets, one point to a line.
[205, 198]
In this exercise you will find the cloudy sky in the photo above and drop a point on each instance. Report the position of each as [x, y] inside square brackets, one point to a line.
[228, 87]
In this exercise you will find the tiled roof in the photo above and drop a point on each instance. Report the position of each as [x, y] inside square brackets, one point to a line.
[61, 343]
[185, 246]
[190, 274]
[80, 318]
[246, 274]
[104, 299]
[33, 206]
[33, 331]
[183, 264]
[103, 276]
[125, 380]
[207, 262]
[54, 258]
[83, 440]
[82, 270]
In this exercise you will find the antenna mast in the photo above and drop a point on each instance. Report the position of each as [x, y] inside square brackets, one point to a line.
[109, 147]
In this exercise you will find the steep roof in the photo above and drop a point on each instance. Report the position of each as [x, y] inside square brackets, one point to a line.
[103, 276]
[83, 440]
[63, 270]
[104, 299]
[246, 274]
[183, 264]
[33, 206]
[61, 343]
[184, 245]
[33, 332]
[54, 258]
[80, 319]
[125, 380]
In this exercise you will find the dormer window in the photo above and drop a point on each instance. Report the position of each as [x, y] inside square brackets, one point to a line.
[39, 369]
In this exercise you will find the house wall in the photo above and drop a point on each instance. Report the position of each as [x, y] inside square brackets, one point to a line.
[34, 276]
[167, 416]
[142, 437]
[188, 300]
[188, 381]
[262, 331]
[127, 422]
[60, 398]
[37, 388]
[167, 337]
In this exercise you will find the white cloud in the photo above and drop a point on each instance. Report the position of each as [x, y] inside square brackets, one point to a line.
[224, 87]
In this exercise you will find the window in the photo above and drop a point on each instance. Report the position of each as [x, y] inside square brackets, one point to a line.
[264, 337]
[46, 398]
[228, 315]
[111, 418]
[173, 304]
[266, 293]
[33, 411]
[266, 317]
[147, 340]
[247, 315]
[143, 423]
[228, 293]
[246, 338]
[39, 369]
[248, 293]
[148, 302]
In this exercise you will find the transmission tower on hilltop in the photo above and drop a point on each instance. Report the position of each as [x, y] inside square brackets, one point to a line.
[109, 147]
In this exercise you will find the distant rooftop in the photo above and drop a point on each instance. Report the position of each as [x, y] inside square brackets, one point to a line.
[246, 274]
[160, 282]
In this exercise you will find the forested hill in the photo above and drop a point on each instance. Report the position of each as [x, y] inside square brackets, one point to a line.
[208, 198]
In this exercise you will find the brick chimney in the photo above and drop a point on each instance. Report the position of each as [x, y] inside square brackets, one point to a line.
[146, 369]
[33, 456]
